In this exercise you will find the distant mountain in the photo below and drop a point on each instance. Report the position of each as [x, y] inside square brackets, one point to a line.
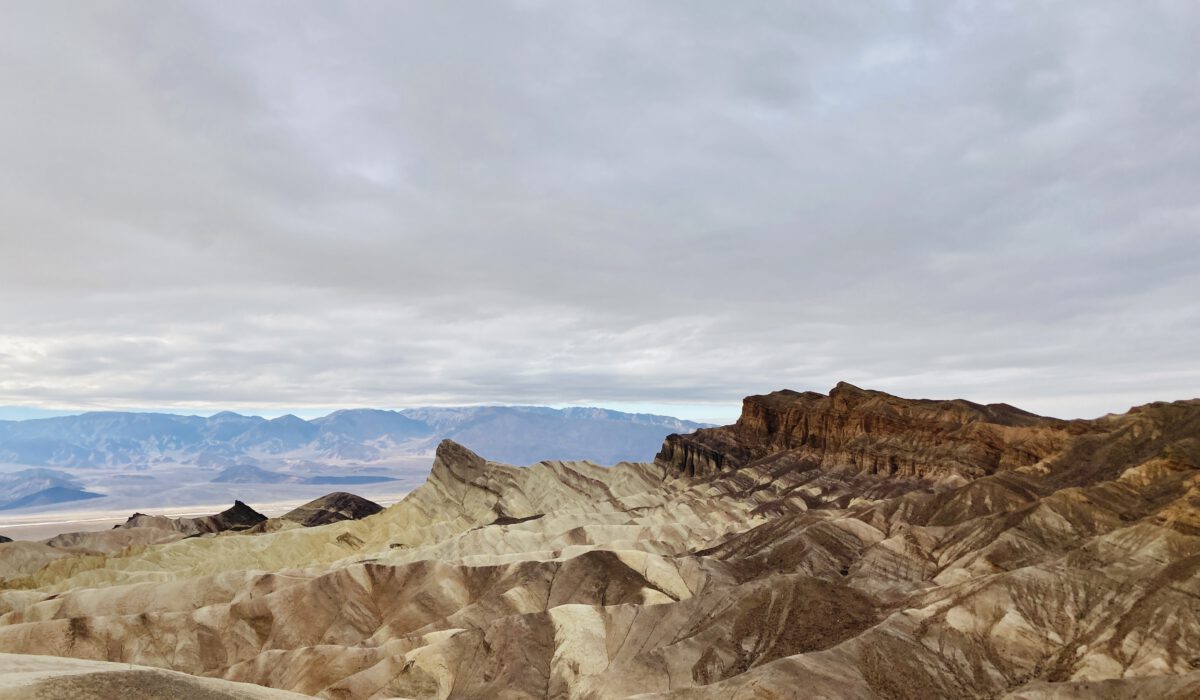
[356, 436]
[367, 424]
[40, 487]
[362, 434]
[282, 434]
[104, 438]
[526, 434]
[49, 497]
[27, 481]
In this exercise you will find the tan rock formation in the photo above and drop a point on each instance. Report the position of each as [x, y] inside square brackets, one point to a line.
[51, 678]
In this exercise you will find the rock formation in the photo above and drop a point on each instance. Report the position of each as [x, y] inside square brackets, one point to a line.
[50, 678]
[140, 530]
[874, 432]
[333, 508]
[855, 545]
[238, 517]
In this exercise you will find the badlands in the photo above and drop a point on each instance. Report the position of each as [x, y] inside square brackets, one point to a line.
[849, 545]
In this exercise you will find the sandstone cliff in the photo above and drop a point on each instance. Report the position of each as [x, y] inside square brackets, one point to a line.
[873, 432]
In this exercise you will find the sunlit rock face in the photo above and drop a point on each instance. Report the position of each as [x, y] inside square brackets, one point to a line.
[849, 545]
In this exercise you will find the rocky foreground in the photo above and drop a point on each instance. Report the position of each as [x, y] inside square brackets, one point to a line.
[855, 545]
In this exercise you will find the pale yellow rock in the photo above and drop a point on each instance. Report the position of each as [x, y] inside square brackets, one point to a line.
[28, 677]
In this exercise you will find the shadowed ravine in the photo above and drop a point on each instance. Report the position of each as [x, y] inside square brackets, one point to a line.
[855, 545]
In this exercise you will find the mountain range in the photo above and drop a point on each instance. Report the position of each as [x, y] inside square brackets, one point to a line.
[182, 460]
[852, 544]
[515, 433]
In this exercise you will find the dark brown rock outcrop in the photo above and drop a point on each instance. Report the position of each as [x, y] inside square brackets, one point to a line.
[333, 508]
[872, 432]
[239, 517]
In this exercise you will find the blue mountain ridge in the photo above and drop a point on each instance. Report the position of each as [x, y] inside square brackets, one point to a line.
[518, 434]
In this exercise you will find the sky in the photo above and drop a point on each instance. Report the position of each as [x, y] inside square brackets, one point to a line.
[298, 206]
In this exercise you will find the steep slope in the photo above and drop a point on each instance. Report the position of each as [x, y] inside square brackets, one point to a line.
[1004, 555]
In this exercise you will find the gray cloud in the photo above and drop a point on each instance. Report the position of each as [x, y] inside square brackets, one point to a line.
[306, 204]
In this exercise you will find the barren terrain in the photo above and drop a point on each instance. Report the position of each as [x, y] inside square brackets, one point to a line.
[850, 545]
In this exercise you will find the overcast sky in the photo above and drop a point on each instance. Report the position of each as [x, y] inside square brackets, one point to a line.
[299, 206]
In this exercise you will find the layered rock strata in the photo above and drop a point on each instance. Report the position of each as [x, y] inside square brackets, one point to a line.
[873, 432]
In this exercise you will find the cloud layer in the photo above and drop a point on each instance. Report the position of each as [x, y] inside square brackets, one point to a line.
[305, 204]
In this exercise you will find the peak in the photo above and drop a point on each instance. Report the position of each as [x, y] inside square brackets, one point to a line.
[338, 499]
[848, 396]
[335, 496]
[240, 514]
[452, 452]
[455, 464]
[240, 508]
[343, 412]
[288, 418]
[331, 508]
